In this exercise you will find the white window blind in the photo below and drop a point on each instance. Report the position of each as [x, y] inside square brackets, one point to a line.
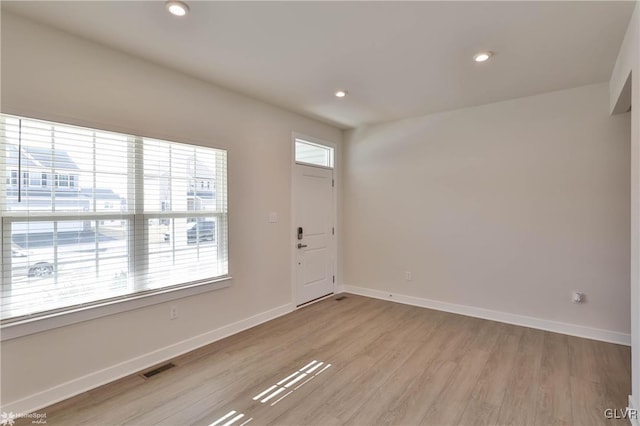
[102, 216]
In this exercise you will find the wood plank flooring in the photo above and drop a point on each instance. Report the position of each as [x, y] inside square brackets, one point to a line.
[390, 364]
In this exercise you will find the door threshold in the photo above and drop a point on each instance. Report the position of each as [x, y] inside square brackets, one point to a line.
[317, 299]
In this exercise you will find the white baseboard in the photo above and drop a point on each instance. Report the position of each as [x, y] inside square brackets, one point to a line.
[509, 318]
[634, 408]
[74, 387]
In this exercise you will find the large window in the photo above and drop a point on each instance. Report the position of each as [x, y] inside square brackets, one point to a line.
[122, 217]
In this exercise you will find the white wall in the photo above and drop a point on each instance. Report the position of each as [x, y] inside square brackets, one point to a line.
[499, 211]
[622, 96]
[51, 75]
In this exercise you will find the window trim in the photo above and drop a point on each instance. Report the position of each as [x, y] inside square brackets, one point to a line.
[86, 313]
[319, 143]
[106, 307]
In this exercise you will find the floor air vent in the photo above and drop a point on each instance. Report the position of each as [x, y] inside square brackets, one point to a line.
[339, 298]
[158, 370]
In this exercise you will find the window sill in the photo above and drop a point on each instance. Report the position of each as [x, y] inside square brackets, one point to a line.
[61, 319]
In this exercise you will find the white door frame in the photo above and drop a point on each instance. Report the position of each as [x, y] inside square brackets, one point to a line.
[293, 236]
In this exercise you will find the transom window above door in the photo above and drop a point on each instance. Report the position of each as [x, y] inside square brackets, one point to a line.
[313, 153]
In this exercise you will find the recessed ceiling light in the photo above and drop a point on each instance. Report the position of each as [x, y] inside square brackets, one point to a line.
[482, 56]
[177, 8]
[341, 93]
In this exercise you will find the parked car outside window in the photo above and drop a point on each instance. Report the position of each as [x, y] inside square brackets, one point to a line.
[29, 264]
[201, 231]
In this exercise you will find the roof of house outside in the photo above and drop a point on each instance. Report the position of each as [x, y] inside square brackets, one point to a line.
[101, 193]
[83, 194]
[201, 194]
[201, 170]
[40, 157]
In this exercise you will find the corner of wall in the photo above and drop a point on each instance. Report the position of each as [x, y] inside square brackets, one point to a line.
[620, 81]
[624, 88]
[634, 412]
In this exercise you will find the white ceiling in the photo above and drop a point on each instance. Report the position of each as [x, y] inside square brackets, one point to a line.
[396, 59]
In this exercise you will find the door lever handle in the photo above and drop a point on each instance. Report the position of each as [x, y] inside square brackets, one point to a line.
[300, 245]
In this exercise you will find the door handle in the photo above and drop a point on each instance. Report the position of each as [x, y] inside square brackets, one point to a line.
[300, 245]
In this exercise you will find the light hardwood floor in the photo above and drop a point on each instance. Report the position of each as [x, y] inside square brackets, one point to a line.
[391, 364]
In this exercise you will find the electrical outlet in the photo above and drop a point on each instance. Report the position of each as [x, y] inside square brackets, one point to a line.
[173, 312]
[408, 276]
[577, 297]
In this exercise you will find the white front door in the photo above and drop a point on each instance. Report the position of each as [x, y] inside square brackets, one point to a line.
[314, 229]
